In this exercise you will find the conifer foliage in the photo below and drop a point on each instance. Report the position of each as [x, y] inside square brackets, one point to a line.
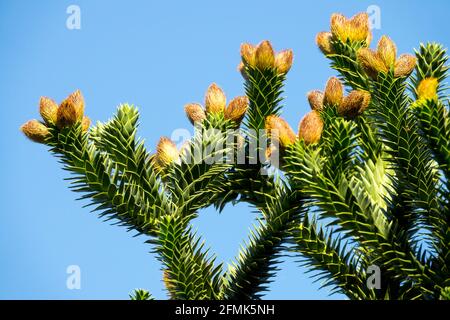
[360, 193]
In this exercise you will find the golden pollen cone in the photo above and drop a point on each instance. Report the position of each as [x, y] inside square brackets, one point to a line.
[404, 65]
[323, 41]
[387, 51]
[48, 109]
[371, 62]
[35, 131]
[278, 129]
[215, 100]
[334, 92]
[71, 110]
[248, 53]
[359, 28]
[427, 89]
[166, 152]
[195, 112]
[264, 56]
[66, 116]
[354, 104]
[315, 99]
[283, 61]
[339, 28]
[236, 109]
[311, 127]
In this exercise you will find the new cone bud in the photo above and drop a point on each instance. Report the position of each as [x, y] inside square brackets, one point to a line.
[71, 110]
[215, 100]
[371, 62]
[323, 40]
[387, 51]
[48, 109]
[427, 89]
[315, 99]
[278, 128]
[404, 65]
[360, 28]
[248, 53]
[339, 27]
[194, 112]
[236, 109]
[283, 61]
[166, 152]
[311, 127]
[334, 92]
[264, 56]
[35, 131]
[354, 104]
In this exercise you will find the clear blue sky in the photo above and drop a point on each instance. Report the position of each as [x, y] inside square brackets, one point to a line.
[157, 55]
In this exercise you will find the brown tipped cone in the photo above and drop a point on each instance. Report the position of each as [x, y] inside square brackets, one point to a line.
[195, 112]
[215, 100]
[404, 65]
[283, 61]
[236, 109]
[85, 123]
[427, 89]
[248, 53]
[278, 128]
[264, 55]
[323, 41]
[311, 127]
[35, 131]
[71, 110]
[315, 99]
[48, 109]
[387, 51]
[354, 104]
[166, 152]
[371, 62]
[334, 92]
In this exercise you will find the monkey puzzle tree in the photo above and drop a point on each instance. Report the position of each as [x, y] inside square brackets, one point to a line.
[364, 185]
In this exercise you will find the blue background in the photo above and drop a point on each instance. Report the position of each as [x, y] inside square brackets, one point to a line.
[158, 56]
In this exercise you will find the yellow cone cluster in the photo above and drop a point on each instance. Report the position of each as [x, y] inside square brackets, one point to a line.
[264, 57]
[68, 113]
[427, 89]
[311, 126]
[355, 29]
[385, 59]
[350, 106]
[310, 130]
[216, 103]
